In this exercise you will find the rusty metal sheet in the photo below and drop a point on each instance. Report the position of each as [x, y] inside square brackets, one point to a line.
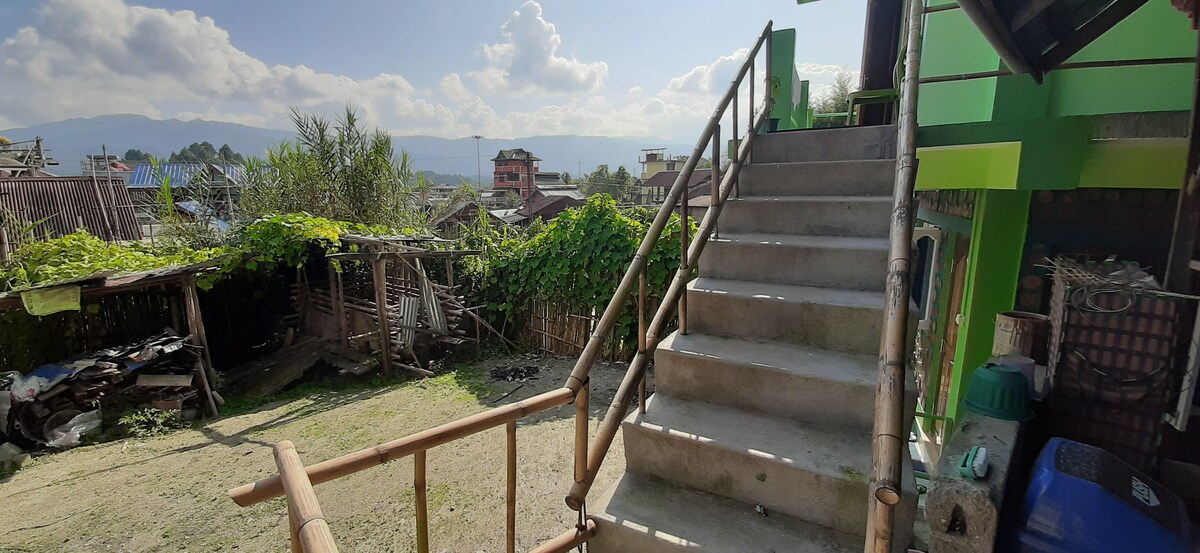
[62, 203]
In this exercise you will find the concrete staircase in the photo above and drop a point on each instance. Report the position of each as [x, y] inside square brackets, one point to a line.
[768, 400]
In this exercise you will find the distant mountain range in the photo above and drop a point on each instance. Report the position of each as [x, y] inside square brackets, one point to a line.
[71, 140]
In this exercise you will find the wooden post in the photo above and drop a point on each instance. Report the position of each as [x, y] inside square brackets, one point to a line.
[301, 297]
[207, 374]
[379, 276]
[581, 432]
[339, 306]
[890, 441]
[1187, 211]
[422, 502]
[450, 272]
[311, 528]
[3, 244]
[510, 526]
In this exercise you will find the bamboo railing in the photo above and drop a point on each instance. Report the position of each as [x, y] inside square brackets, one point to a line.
[293, 483]
[890, 442]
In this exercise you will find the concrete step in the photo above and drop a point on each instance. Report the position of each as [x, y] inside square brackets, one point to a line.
[848, 321]
[826, 145]
[810, 472]
[819, 387]
[642, 513]
[870, 177]
[849, 262]
[866, 216]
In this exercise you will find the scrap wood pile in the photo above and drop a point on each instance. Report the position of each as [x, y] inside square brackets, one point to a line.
[57, 402]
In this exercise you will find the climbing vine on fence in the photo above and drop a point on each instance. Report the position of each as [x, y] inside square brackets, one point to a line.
[80, 254]
[577, 261]
[285, 239]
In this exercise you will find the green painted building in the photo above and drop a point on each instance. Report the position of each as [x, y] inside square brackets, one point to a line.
[1012, 171]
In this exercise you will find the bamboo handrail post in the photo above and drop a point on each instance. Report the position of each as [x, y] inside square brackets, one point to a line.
[568, 540]
[715, 187]
[311, 528]
[683, 259]
[581, 431]
[267, 488]
[890, 441]
[734, 127]
[642, 338]
[422, 502]
[607, 431]
[510, 519]
[294, 531]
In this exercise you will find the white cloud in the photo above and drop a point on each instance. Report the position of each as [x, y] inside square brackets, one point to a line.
[528, 60]
[710, 79]
[83, 58]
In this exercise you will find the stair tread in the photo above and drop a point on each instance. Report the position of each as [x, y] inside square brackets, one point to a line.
[867, 299]
[823, 198]
[803, 241]
[661, 514]
[779, 356]
[829, 162]
[832, 452]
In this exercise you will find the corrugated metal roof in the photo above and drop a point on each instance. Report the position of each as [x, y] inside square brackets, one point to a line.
[181, 174]
[62, 203]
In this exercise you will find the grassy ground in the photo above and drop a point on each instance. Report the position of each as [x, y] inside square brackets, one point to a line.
[168, 493]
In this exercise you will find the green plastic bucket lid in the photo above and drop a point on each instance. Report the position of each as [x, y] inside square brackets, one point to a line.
[1000, 392]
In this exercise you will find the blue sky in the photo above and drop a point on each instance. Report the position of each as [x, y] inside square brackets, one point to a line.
[446, 68]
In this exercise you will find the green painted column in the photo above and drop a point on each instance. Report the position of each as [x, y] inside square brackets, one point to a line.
[993, 266]
[783, 68]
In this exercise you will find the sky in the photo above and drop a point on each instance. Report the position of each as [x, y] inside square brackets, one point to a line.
[447, 68]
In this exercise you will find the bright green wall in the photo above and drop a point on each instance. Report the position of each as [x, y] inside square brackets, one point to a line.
[954, 46]
[997, 243]
[783, 64]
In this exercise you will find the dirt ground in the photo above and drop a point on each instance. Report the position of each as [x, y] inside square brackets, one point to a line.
[168, 493]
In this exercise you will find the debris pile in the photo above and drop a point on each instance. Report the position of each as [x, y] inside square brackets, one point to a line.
[516, 373]
[54, 404]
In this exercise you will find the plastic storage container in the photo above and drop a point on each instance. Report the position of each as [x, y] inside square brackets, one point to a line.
[1082, 498]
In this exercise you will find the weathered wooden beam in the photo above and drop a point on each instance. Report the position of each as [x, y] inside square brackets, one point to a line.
[208, 374]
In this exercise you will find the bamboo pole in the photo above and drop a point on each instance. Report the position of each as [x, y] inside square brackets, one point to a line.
[379, 279]
[422, 502]
[510, 499]
[642, 338]
[715, 181]
[311, 528]
[581, 432]
[890, 442]
[3, 244]
[294, 530]
[267, 488]
[568, 540]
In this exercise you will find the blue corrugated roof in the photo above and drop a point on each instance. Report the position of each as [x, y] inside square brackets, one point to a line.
[181, 174]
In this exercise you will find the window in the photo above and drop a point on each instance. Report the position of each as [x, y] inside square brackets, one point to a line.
[514, 177]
